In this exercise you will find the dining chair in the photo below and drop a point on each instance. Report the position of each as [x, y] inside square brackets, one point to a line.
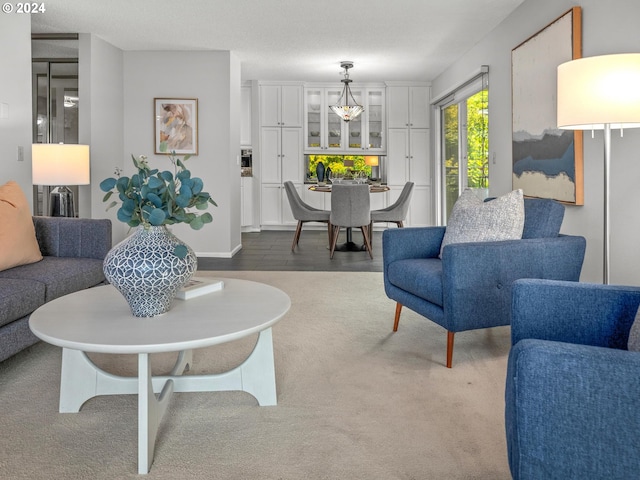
[304, 212]
[350, 208]
[397, 212]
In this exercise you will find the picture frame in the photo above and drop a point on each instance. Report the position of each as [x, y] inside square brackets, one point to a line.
[547, 161]
[176, 126]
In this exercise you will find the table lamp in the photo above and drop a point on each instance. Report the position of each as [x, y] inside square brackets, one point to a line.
[60, 165]
[373, 162]
[600, 93]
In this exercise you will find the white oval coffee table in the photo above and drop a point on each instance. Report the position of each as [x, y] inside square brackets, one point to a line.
[99, 320]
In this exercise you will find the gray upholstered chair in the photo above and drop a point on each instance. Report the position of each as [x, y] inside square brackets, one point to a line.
[303, 212]
[350, 208]
[397, 212]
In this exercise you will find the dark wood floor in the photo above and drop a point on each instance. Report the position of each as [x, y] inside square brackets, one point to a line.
[271, 250]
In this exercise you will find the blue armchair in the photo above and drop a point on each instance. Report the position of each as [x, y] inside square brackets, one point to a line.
[470, 287]
[572, 388]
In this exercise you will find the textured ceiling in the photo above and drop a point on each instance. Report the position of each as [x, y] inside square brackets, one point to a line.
[293, 39]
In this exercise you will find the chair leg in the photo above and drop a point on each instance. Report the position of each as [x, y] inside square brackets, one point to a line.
[400, 224]
[335, 230]
[329, 234]
[296, 236]
[396, 320]
[450, 348]
[367, 241]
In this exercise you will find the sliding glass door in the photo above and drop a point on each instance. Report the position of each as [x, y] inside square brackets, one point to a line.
[464, 140]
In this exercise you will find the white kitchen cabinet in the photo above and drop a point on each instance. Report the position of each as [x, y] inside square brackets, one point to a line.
[246, 199]
[408, 106]
[408, 150]
[245, 117]
[281, 105]
[281, 161]
[326, 133]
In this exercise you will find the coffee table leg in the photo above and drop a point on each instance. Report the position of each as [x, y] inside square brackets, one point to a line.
[150, 412]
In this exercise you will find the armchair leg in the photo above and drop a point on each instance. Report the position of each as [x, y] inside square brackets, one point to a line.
[396, 320]
[450, 348]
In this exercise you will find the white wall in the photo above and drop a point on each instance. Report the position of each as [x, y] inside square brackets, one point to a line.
[607, 27]
[101, 92]
[214, 79]
[15, 91]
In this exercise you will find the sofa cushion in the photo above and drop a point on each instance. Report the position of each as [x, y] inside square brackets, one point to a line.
[634, 335]
[419, 276]
[18, 298]
[473, 220]
[60, 275]
[18, 244]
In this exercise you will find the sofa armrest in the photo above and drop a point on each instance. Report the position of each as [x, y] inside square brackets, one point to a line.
[582, 313]
[404, 243]
[73, 237]
[477, 277]
[571, 411]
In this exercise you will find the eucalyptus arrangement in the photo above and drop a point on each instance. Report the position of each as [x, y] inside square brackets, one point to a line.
[154, 198]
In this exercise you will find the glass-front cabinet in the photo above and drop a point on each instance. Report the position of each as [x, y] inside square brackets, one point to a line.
[326, 132]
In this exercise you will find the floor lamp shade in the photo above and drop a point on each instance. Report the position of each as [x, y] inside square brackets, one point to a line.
[596, 91]
[600, 93]
[60, 165]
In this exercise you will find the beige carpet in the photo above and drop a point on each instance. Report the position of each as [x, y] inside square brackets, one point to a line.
[355, 401]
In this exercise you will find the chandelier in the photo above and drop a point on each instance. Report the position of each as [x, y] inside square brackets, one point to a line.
[343, 108]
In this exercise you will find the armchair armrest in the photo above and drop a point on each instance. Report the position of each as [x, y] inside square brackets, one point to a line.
[73, 237]
[571, 411]
[403, 243]
[582, 313]
[477, 277]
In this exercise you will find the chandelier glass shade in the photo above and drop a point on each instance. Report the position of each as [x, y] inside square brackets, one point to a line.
[347, 108]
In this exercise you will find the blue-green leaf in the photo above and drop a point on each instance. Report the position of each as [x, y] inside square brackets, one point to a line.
[156, 217]
[180, 251]
[108, 184]
[155, 199]
[155, 182]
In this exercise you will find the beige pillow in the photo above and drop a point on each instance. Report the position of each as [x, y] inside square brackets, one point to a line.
[473, 220]
[18, 244]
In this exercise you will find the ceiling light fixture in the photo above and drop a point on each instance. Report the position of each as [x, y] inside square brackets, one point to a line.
[343, 109]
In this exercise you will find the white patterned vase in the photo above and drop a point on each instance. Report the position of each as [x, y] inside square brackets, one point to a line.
[147, 272]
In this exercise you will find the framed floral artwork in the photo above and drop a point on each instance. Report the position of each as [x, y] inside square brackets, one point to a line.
[176, 126]
[547, 161]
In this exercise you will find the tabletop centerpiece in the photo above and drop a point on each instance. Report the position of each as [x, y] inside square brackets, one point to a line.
[149, 266]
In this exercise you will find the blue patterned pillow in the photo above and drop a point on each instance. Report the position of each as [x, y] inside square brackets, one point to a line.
[473, 220]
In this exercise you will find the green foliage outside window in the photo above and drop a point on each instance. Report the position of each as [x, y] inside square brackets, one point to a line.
[336, 163]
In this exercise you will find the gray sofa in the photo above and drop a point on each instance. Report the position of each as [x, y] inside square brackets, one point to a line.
[73, 250]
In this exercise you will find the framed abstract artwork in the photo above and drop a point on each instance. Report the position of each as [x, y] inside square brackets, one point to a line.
[176, 125]
[547, 161]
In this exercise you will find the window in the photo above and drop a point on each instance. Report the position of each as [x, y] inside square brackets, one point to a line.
[464, 141]
[340, 165]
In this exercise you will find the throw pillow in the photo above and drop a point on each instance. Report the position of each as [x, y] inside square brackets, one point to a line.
[633, 343]
[18, 244]
[473, 220]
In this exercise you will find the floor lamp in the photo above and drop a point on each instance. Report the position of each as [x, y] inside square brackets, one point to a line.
[600, 93]
[60, 165]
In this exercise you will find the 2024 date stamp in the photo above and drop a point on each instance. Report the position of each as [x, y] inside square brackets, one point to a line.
[29, 7]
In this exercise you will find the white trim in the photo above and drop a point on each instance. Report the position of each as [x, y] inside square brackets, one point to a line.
[456, 89]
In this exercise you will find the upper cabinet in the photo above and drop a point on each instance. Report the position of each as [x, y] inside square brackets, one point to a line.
[281, 105]
[408, 106]
[326, 132]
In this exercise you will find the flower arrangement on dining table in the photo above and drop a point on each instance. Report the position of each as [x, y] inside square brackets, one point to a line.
[152, 197]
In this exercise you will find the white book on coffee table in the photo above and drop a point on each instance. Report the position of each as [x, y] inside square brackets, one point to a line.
[199, 286]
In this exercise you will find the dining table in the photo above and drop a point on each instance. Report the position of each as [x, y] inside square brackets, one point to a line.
[349, 245]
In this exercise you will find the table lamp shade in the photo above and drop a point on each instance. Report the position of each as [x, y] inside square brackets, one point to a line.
[598, 91]
[371, 160]
[60, 164]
